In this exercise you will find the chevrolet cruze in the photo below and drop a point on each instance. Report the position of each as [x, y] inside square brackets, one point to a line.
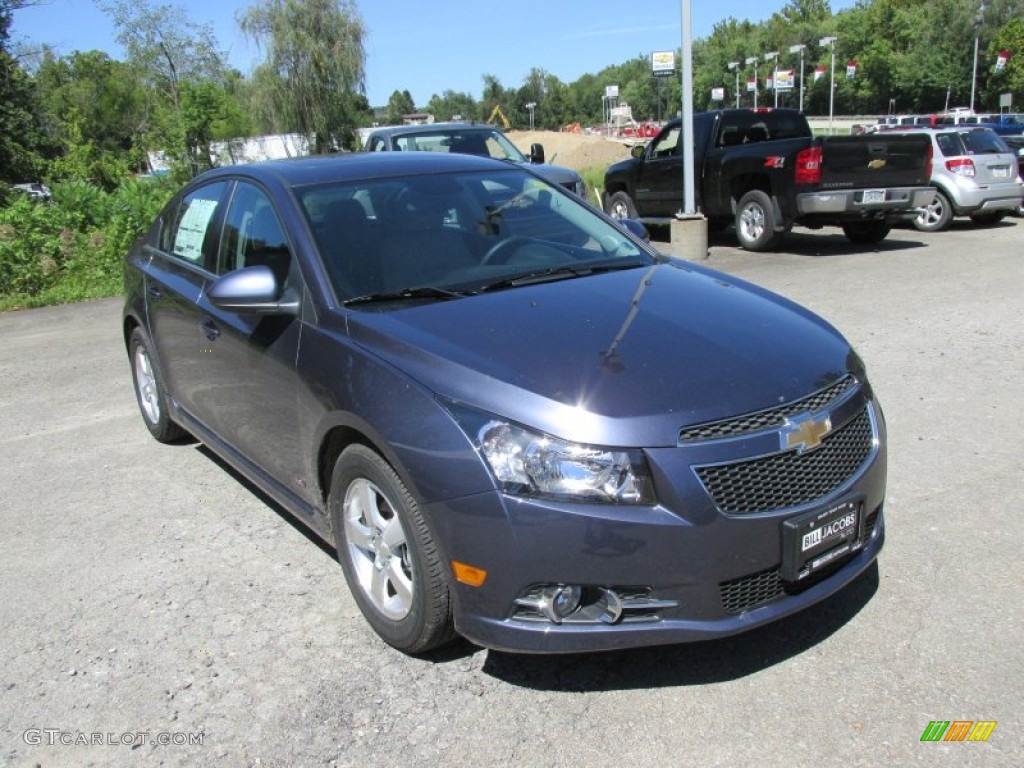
[514, 419]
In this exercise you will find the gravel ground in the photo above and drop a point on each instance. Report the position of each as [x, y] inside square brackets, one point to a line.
[150, 595]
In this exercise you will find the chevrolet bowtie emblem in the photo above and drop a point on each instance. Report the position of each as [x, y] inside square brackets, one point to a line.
[804, 432]
[876, 165]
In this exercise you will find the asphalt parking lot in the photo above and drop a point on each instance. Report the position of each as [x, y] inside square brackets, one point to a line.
[156, 609]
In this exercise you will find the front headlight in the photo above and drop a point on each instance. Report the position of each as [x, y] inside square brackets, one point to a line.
[527, 463]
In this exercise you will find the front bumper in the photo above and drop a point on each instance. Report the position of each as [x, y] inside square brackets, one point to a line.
[850, 203]
[709, 573]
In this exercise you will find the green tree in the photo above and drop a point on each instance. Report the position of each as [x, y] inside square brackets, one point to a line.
[20, 135]
[1011, 80]
[399, 104]
[172, 55]
[452, 105]
[315, 50]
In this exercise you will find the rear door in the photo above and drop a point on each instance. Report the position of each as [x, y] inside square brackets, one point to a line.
[176, 279]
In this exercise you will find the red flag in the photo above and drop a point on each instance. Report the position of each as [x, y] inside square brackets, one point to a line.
[1001, 60]
[819, 72]
[851, 70]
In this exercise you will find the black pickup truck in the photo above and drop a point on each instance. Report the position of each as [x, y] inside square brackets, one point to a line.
[764, 171]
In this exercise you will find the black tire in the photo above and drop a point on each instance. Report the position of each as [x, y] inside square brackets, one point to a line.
[987, 219]
[867, 232]
[755, 222]
[150, 393]
[393, 568]
[620, 206]
[936, 216]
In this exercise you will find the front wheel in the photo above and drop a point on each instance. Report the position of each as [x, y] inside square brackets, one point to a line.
[620, 206]
[391, 564]
[755, 222]
[936, 216]
[867, 232]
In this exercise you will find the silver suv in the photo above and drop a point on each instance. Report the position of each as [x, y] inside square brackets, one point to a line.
[976, 175]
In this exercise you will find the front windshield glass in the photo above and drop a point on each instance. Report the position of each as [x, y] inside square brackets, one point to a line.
[461, 233]
[471, 141]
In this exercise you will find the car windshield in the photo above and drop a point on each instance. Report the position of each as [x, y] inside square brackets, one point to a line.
[471, 141]
[440, 236]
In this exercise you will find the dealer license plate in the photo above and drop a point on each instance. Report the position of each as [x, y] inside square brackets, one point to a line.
[873, 196]
[818, 539]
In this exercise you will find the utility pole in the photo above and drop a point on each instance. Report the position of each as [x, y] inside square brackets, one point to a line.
[753, 60]
[773, 56]
[799, 48]
[831, 80]
[736, 65]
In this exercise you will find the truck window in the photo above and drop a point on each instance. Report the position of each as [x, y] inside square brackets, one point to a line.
[667, 145]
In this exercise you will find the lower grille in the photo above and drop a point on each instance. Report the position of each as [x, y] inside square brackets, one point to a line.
[791, 479]
[746, 592]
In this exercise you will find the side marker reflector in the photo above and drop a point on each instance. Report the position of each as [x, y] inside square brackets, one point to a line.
[467, 574]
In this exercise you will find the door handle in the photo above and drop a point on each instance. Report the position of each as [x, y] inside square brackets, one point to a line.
[154, 291]
[210, 329]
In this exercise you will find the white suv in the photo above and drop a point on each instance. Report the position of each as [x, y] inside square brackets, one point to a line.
[976, 175]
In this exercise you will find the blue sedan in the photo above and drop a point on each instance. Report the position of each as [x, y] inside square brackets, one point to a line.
[514, 419]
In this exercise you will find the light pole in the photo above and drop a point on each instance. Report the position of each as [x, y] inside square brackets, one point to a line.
[753, 60]
[773, 56]
[686, 136]
[831, 41]
[736, 65]
[799, 48]
[531, 105]
[979, 17]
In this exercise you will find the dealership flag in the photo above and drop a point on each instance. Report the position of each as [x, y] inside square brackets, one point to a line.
[752, 84]
[851, 70]
[1001, 60]
[786, 79]
[819, 72]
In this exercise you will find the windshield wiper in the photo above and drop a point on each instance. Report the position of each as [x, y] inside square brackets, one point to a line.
[551, 274]
[426, 292]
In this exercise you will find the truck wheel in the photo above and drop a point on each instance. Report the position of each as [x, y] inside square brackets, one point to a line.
[620, 206]
[867, 232]
[936, 216]
[755, 222]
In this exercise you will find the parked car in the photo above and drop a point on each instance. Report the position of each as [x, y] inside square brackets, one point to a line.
[975, 174]
[1016, 145]
[34, 189]
[764, 171]
[512, 417]
[472, 139]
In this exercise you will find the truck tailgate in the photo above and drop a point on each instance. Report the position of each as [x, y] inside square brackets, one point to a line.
[888, 160]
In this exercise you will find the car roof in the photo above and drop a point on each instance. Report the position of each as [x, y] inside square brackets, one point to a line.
[398, 130]
[317, 169]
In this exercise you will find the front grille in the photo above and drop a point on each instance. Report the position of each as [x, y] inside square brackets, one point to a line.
[747, 591]
[790, 479]
[769, 419]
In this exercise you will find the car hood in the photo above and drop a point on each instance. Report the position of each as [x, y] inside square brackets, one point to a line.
[624, 358]
[556, 174]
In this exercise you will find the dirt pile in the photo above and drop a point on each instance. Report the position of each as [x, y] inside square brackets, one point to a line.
[573, 150]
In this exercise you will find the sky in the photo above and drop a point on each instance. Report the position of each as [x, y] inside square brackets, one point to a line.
[427, 48]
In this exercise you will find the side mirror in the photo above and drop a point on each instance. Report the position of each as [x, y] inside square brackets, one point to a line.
[636, 228]
[638, 151]
[537, 154]
[252, 289]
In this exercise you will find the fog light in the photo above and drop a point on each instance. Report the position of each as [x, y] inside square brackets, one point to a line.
[559, 601]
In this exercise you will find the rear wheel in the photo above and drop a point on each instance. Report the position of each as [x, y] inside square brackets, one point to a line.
[620, 206]
[992, 217]
[936, 216]
[391, 564]
[867, 232]
[149, 390]
[755, 222]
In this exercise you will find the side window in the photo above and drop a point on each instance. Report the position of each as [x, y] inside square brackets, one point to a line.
[253, 234]
[667, 145]
[193, 234]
